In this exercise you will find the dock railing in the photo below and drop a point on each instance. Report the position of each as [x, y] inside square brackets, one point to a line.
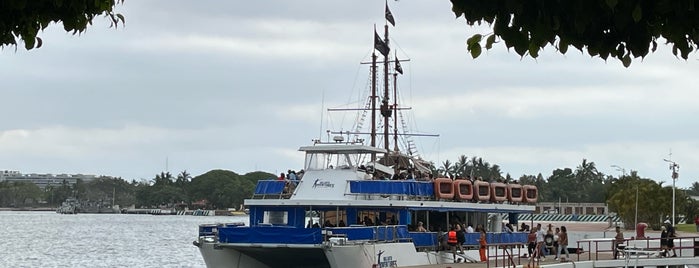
[685, 246]
[505, 254]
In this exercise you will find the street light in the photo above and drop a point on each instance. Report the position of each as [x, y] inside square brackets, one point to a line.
[675, 174]
[623, 173]
[618, 168]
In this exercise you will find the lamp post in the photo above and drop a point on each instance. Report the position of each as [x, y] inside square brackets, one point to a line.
[623, 173]
[618, 168]
[675, 174]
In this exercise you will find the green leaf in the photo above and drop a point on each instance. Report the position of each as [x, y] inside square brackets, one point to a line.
[612, 3]
[29, 42]
[562, 46]
[121, 17]
[474, 39]
[489, 42]
[534, 50]
[626, 61]
[637, 13]
[475, 50]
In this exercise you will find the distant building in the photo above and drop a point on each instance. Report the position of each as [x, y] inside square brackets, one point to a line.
[44, 180]
[572, 208]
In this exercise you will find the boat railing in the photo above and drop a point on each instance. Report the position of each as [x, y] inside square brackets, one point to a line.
[383, 233]
[273, 189]
[442, 189]
[594, 247]
[413, 190]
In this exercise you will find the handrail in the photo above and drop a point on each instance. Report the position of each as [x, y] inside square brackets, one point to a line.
[506, 255]
[678, 241]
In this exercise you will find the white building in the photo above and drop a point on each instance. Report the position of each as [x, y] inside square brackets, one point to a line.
[44, 180]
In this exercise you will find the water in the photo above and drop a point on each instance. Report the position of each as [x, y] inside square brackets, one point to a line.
[48, 239]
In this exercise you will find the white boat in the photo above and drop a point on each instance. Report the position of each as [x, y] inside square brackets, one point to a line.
[363, 220]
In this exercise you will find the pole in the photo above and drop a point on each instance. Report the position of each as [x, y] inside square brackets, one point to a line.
[635, 221]
[674, 167]
[673, 202]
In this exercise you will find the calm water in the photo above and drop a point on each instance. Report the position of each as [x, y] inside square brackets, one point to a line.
[48, 239]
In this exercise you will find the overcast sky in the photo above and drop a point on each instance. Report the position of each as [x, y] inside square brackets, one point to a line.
[240, 85]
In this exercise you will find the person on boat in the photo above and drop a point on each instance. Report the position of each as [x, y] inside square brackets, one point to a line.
[452, 241]
[524, 228]
[368, 221]
[670, 238]
[469, 228]
[508, 228]
[696, 222]
[460, 236]
[563, 241]
[328, 224]
[341, 224]
[281, 177]
[483, 246]
[618, 240]
[291, 175]
[420, 227]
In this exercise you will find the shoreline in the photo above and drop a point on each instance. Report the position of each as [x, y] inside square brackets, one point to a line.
[29, 209]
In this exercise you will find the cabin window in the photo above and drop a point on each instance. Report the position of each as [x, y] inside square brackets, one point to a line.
[316, 161]
[276, 217]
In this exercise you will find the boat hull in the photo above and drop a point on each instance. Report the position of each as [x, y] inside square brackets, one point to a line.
[262, 256]
[319, 256]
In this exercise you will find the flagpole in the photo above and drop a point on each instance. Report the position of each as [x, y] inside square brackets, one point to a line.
[373, 99]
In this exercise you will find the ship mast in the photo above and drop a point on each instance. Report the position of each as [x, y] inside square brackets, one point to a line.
[385, 110]
[373, 104]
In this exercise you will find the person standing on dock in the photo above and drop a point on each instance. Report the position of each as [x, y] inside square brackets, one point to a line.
[540, 242]
[670, 237]
[618, 240]
[563, 242]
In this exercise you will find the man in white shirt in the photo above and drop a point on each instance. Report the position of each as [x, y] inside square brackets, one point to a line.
[469, 229]
[540, 241]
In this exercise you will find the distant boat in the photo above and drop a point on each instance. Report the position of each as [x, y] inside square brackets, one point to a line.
[70, 206]
[74, 206]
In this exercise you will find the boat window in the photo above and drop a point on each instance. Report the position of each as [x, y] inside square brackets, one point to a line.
[316, 161]
[276, 217]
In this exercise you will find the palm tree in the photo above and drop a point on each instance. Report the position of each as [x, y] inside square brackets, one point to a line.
[462, 166]
[447, 168]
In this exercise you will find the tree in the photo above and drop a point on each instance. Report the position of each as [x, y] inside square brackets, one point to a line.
[447, 169]
[23, 19]
[694, 190]
[604, 28]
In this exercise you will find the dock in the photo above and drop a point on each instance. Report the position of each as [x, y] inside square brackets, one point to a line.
[585, 260]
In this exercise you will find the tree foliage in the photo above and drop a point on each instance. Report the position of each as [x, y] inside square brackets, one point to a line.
[24, 19]
[604, 28]
[654, 200]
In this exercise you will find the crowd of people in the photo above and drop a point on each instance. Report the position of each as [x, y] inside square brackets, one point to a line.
[541, 243]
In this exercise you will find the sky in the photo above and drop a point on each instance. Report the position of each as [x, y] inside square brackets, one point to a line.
[240, 85]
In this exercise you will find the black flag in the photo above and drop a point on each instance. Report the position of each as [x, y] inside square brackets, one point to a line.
[389, 16]
[380, 45]
[398, 67]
